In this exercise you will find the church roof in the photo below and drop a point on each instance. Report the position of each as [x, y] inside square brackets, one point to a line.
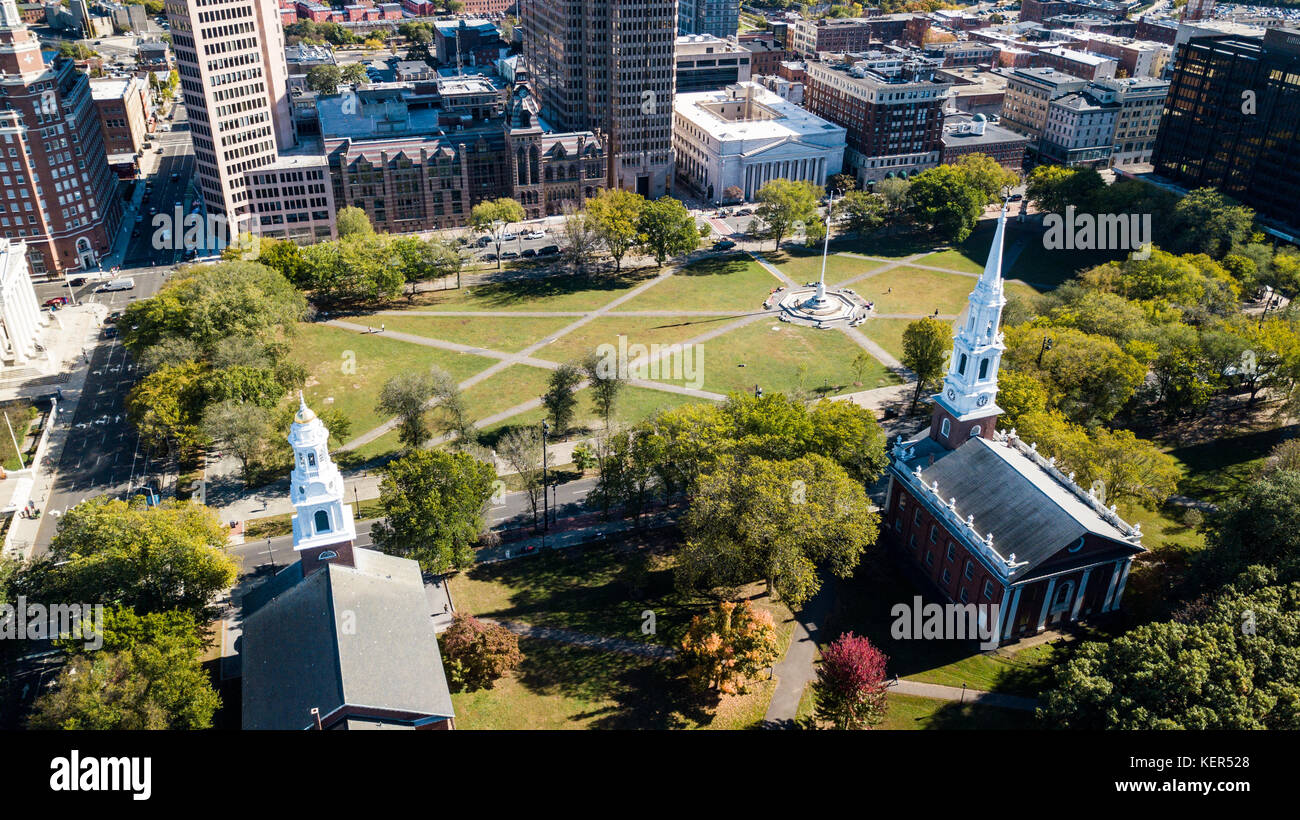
[1009, 494]
[359, 637]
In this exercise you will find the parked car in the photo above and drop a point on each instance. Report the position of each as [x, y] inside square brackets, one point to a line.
[507, 237]
[744, 212]
[77, 282]
[549, 250]
[529, 252]
[113, 317]
[175, 176]
[723, 245]
[57, 301]
[535, 235]
[109, 332]
[489, 257]
[510, 255]
[484, 241]
[1016, 197]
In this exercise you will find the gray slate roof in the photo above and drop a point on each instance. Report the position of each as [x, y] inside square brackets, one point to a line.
[360, 637]
[1028, 511]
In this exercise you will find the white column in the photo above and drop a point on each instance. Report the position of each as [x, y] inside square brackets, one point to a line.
[1078, 598]
[1123, 579]
[1047, 603]
[17, 334]
[1110, 590]
[1011, 614]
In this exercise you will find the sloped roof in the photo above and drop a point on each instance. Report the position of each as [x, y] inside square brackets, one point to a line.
[1027, 510]
[358, 636]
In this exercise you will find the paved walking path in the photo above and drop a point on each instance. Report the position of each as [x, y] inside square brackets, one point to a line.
[797, 669]
[938, 692]
[601, 642]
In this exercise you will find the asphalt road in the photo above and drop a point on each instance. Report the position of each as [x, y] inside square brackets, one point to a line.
[177, 160]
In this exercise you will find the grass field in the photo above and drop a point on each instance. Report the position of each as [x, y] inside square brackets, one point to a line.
[772, 352]
[1218, 469]
[555, 292]
[20, 417]
[347, 369]
[912, 712]
[644, 330]
[910, 290]
[888, 333]
[634, 404]
[598, 591]
[725, 283]
[504, 334]
[805, 265]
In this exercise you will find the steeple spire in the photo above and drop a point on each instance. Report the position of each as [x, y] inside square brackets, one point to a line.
[966, 406]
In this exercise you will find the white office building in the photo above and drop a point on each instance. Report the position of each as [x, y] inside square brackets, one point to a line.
[745, 136]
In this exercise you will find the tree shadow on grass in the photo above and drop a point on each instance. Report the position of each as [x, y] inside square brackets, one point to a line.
[966, 716]
[509, 291]
[716, 265]
[644, 693]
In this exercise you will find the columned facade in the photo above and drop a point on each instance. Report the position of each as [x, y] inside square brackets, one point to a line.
[21, 318]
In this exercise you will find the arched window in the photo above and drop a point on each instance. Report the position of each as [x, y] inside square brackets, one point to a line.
[311, 459]
[322, 520]
[523, 168]
[533, 162]
[984, 368]
[975, 431]
[961, 365]
[945, 427]
[327, 555]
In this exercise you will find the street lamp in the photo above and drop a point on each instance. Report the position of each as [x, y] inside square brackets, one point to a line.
[546, 520]
[1046, 346]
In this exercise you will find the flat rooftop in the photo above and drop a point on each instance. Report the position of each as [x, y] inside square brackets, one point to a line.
[781, 118]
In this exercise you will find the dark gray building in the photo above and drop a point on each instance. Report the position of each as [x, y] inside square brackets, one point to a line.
[721, 18]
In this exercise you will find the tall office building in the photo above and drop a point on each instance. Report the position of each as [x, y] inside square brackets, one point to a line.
[230, 56]
[57, 193]
[607, 66]
[721, 18]
[1232, 120]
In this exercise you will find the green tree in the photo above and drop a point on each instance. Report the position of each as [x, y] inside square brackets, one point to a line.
[666, 229]
[166, 405]
[451, 403]
[784, 205]
[985, 174]
[324, 78]
[407, 397]
[284, 257]
[1206, 221]
[1052, 188]
[478, 654]
[432, 504]
[521, 448]
[895, 192]
[581, 242]
[926, 345]
[241, 429]
[945, 200]
[861, 211]
[559, 399]
[352, 73]
[170, 556]
[1259, 524]
[149, 675]
[606, 384]
[1087, 377]
[613, 214]
[778, 521]
[353, 221]
[493, 216]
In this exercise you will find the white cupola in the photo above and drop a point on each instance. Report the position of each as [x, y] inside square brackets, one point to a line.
[316, 486]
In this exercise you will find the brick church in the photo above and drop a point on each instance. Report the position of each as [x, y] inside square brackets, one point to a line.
[987, 519]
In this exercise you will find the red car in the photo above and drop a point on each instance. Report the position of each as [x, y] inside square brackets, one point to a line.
[57, 301]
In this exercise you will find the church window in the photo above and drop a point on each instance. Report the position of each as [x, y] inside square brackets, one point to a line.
[934, 533]
[947, 577]
[327, 555]
[975, 431]
[970, 571]
[916, 517]
[945, 427]
[311, 459]
[963, 595]
[322, 521]
[984, 368]
[929, 558]
[952, 551]
[988, 590]
[961, 365]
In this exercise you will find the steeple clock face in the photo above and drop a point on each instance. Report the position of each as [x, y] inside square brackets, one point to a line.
[983, 400]
[952, 394]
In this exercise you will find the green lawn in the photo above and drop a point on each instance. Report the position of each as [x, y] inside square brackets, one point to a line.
[20, 417]
[724, 283]
[888, 333]
[772, 353]
[953, 260]
[805, 265]
[346, 369]
[634, 404]
[914, 291]
[644, 330]
[549, 292]
[598, 591]
[1218, 469]
[504, 334]
[912, 712]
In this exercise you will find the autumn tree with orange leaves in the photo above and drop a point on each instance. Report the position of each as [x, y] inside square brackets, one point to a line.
[727, 647]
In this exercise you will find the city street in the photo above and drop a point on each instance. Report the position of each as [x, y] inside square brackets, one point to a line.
[177, 159]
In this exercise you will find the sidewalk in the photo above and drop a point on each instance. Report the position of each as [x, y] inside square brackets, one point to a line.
[75, 329]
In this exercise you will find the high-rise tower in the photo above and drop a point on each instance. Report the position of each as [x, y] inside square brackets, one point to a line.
[607, 66]
[57, 193]
[234, 81]
[966, 407]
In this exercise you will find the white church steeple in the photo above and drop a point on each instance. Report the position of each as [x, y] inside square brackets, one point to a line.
[323, 523]
[966, 406]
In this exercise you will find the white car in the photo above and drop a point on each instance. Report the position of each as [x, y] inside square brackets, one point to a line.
[506, 237]
[535, 235]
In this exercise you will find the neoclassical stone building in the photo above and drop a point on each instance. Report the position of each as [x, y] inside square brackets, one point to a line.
[21, 318]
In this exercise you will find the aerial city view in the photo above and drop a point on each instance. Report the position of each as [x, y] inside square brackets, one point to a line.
[659, 364]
